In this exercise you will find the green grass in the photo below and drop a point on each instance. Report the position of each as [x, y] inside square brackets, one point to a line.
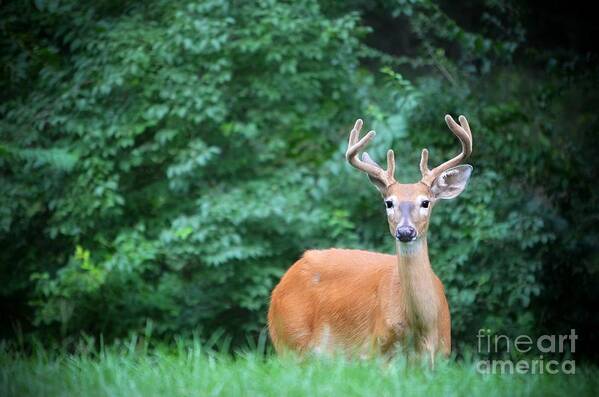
[188, 371]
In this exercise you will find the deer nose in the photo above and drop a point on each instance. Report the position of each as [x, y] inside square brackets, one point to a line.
[405, 233]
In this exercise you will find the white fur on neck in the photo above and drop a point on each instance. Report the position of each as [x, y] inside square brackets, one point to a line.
[409, 249]
[417, 277]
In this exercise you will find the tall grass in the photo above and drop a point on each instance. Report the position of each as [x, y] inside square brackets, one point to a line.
[189, 368]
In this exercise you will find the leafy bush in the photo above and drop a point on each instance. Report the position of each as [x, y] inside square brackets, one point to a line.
[174, 155]
[167, 161]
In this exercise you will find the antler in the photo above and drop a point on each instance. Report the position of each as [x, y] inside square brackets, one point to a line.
[367, 165]
[462, 131]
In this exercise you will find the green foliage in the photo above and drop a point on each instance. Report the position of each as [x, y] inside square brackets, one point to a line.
[167, 161]
[182, 174]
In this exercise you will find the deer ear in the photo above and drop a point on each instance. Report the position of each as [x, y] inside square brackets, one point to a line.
[451, 182]
[380, 186]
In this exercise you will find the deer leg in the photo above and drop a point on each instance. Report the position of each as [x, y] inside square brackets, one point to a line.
[428, 348]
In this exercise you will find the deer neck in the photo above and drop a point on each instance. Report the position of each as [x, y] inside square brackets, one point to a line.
[417, 283]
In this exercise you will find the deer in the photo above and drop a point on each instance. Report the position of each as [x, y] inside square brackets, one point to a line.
[366, 303]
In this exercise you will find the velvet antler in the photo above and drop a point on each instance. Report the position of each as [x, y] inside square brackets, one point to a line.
[463, 133]
[366, 164]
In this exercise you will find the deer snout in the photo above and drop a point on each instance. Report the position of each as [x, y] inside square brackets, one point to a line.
[405, 234]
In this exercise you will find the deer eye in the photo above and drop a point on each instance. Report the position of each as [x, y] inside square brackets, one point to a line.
[389, 203]
[425, 203]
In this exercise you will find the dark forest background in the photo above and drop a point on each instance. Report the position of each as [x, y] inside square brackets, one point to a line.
[163, 162]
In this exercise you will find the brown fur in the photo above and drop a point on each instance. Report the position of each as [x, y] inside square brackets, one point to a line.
[358, 294]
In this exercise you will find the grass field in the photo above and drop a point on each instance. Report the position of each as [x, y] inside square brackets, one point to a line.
[188, 371]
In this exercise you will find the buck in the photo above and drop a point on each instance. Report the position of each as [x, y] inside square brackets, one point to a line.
[367, 303]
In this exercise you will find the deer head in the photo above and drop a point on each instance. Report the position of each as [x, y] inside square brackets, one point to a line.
[409, 205]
